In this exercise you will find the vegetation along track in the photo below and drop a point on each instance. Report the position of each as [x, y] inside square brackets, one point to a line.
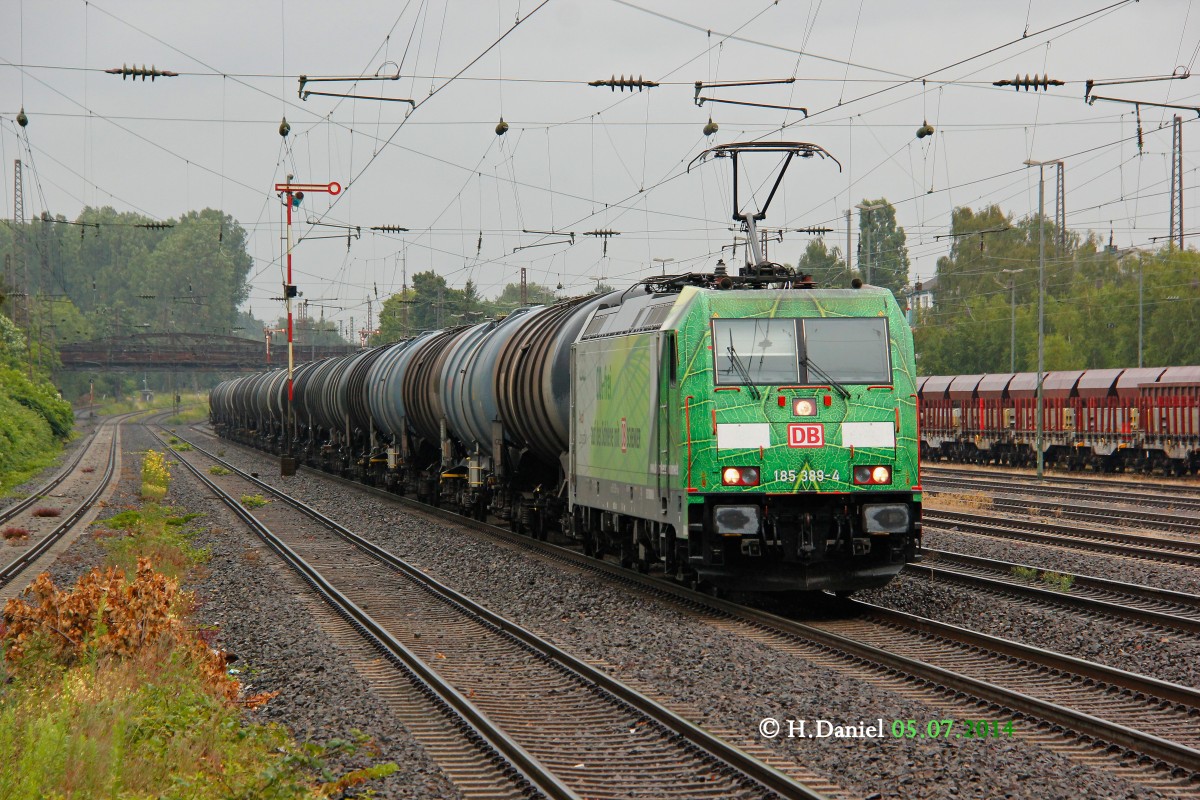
[88, 457]
[1152, 548]
[1144, 729]
[568, 728]
[1141, 606]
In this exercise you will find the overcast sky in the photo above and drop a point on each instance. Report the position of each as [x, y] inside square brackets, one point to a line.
[578, 158]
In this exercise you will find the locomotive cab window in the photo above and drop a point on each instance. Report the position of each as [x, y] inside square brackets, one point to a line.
[848, 350]
[755, 351]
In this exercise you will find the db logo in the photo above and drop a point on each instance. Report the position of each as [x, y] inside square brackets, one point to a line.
[806, 435]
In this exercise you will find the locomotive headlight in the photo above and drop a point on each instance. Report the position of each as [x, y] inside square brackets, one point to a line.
[740, 476]
[804, 407]
[867, 475]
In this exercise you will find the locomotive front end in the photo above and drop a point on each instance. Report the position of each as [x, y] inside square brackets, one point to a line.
[800, 440]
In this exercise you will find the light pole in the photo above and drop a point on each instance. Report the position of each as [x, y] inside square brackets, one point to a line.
[865, 208]
[1041, 165]
[662, 262]
[1012, 341]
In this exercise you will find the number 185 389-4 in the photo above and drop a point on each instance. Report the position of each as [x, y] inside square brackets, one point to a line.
[807, 475]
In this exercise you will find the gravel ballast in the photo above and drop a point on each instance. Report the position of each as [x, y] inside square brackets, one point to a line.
[1166, 655]
[730, 681]
[263, 617]
[1113, 568]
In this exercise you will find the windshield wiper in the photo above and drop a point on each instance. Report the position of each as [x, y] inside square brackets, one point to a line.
[823, 375]
[742, 372]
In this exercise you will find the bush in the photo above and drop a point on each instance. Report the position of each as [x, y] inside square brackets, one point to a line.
[41, 398]
[15, 533]
[27, 444]
[254, 500]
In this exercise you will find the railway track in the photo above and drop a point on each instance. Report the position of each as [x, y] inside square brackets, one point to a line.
[45, 546]
[1138, 727]
[15, 510]
[1141, 606]
[1132, 545]
[1173, 487]
[560, 724]
[1092, 503]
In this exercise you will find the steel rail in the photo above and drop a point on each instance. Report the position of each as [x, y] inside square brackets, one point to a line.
[1108, 484]
[942, 567]
[1086, 725]
[474, 720]
[1025, 489]
[733, 757]
[1182, 759]
[1176, 551]
[1079, 511]
[49, 486]
[18, 565]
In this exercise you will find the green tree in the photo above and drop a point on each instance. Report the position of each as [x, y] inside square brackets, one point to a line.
[198, 272]
[121, 274]
[883, 257]
[1171, 303]
[827, 267]
[510, 298]
[395, 318]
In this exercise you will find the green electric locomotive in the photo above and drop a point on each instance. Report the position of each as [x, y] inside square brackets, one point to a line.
[750, 438]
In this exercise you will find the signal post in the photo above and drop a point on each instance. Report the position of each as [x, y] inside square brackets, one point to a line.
[293, 194]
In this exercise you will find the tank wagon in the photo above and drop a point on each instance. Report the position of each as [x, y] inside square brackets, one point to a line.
[759, 438]
[1107, 420]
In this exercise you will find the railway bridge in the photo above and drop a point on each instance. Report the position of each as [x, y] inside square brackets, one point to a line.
[198, 351]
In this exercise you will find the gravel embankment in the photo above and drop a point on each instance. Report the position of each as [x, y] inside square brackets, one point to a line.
[689, 663]
[278, 645]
